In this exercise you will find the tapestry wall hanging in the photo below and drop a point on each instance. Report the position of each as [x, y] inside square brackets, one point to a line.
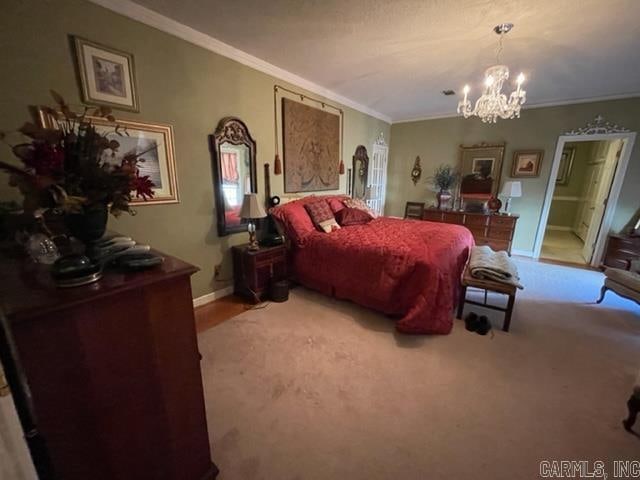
[311, 148]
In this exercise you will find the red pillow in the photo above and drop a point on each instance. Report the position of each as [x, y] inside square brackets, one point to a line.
[295, 219]
[336, 204]
[352, 216]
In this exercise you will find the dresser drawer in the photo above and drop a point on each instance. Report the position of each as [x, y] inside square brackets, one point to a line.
[475, 220]
[453, 217]
[495, 245]
[497, 233]
[478, 232]
[502, 221]
[432, 216]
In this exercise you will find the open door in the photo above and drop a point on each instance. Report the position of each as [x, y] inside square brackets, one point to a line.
[597, 193]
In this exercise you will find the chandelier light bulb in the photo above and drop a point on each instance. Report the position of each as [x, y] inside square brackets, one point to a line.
[466, 89]
[521, 78]
[488, 81]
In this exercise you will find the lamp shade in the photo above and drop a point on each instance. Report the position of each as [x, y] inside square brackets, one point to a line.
[512, 189]
[251, 207]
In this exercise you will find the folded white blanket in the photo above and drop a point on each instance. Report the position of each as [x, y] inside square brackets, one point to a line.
[497, 266]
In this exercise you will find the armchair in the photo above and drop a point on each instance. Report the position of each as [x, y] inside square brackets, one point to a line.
[625, 283]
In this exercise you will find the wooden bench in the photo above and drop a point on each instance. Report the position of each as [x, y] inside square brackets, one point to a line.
[487, 286]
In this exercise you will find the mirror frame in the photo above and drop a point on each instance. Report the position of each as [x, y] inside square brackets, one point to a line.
[234, 131]
[360, 155]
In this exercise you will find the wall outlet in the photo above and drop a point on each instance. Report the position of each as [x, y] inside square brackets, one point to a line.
[216, 271]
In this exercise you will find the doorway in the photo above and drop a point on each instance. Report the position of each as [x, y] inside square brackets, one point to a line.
[585, 182]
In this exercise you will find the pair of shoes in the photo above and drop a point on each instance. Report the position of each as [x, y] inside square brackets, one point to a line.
[480, 325]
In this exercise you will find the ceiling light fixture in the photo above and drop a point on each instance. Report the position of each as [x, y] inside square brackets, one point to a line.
[493, 103]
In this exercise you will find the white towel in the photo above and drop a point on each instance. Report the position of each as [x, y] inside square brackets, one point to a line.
[496, 266]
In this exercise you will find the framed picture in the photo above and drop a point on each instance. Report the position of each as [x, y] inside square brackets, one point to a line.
[481, 166]
[526, 163]
[566, 164]
[152, 139]
[106, 75]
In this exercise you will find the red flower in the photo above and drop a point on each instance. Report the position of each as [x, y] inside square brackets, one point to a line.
[45, 159]
[142, 186]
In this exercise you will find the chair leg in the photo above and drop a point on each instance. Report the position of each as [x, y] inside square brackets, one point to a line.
[603, 290]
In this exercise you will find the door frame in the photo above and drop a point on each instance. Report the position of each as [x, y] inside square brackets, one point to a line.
[596, 131]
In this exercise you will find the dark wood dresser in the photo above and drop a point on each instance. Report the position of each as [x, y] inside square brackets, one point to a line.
[254, 270]
[620, 249]
[494, 230]
[114, 371]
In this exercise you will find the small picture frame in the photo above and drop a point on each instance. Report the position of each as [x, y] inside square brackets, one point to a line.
[526, 163]
[566, 164]
[107, 75]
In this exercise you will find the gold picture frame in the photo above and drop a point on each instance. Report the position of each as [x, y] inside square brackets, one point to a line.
[526, 163]
[107, 75]
[483, 160]
[160, 162]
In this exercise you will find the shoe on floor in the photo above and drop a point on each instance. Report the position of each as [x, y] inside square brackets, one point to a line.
[471, 322]
[484, 326]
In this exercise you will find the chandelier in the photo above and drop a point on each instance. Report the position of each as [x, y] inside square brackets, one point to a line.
[493, 103]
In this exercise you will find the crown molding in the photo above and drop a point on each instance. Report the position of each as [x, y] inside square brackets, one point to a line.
[558, 103]
[153, 19]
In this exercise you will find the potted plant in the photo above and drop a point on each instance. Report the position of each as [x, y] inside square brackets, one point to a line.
[444, 179]
[71, 170]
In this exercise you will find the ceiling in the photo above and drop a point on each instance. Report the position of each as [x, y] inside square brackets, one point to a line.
[396, 56]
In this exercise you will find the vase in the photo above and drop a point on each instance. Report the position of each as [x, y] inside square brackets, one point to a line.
[89, 225]
[444, 199]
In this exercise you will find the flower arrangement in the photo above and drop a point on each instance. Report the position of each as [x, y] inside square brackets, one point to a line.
[71, 169]
[445, 177]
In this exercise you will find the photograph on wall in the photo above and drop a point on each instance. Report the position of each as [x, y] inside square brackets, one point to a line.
[311, 148]
[566, 164]
[483, 166]
[106, 75]
[526, 163]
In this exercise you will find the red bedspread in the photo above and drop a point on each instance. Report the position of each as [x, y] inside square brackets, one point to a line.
[405, 268]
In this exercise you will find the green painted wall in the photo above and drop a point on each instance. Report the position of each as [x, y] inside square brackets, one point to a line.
[437, 141]
[563, 212]
[178, 83]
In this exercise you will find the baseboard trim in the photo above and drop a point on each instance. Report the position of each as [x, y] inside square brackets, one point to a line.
[213, 296]
[559, 228]
[522, 253]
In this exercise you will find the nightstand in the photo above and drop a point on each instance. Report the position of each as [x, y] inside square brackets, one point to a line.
[254, 270]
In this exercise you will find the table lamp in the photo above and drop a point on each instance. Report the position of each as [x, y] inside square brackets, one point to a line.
[511, 190]
[251, 210]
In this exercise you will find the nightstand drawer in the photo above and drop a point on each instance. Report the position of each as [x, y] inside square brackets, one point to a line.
[254, 270]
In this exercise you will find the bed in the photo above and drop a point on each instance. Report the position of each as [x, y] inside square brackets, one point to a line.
[408, 269]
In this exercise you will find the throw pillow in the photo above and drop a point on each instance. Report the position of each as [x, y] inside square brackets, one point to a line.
[352, 216]
[322, 216]
[360, 205]
[336, 204]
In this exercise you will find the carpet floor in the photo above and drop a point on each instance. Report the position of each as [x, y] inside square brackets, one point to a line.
[317, 388]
